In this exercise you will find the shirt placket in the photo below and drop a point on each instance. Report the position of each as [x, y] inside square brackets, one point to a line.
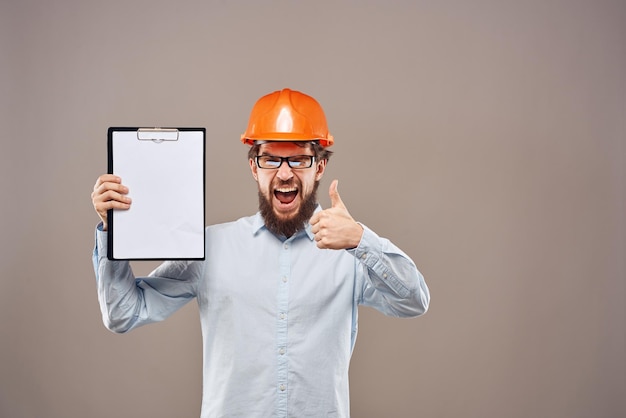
[282, 325]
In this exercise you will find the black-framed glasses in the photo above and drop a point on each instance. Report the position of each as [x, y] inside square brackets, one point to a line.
[295, 161]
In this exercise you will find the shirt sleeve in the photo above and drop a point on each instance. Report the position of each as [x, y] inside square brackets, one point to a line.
[391, 283]
[127, 302]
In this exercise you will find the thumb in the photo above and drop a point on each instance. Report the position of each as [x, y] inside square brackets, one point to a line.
[335, 199]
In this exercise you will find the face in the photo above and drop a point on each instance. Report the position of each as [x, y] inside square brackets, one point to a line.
[287, 196]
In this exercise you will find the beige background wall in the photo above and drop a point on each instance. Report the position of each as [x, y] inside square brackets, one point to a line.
[486, 138]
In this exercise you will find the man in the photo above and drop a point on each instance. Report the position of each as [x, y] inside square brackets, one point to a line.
[278, 291]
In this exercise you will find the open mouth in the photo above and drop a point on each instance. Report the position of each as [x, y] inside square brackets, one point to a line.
[286, 195]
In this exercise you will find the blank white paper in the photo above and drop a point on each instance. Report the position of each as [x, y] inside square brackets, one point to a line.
[166, 184]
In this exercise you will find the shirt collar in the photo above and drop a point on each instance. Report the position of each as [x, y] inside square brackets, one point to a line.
[258, 223]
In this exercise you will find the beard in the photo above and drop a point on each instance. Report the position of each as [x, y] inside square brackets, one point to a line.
[290, 226]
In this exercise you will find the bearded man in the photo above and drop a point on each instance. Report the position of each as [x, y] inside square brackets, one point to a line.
[278, 292]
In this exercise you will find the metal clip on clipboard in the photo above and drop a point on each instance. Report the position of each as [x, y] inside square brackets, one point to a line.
[157, 135]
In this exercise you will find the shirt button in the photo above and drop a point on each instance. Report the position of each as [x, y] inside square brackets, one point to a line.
[284, 279]
[282, 316]
[281, 351]
[286, 246]
[384, 275]
[282, 388]
[364, 256]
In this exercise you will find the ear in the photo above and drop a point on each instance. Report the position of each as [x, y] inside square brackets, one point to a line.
[321, 167]
[253, 169]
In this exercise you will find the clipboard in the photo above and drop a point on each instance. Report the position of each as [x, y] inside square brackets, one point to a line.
[164, 170]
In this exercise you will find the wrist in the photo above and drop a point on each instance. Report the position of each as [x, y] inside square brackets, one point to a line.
[358, 234]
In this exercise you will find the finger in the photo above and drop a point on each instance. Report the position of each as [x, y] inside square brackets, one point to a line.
[107, 178]
[102, 208]
[114, 195]
[335, 199]
[113, 204]
[321, 244]
[318, 240]
[105, 187]
[103, 201]
[315, 219]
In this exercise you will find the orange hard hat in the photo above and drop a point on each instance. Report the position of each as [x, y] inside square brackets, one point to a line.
[287, 115]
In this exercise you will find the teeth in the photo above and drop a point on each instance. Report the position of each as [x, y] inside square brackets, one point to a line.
[286, 189]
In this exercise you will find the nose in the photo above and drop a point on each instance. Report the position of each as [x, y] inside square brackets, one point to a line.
[284, 172]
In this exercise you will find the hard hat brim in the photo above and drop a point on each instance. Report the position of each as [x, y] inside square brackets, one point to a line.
[286, 137]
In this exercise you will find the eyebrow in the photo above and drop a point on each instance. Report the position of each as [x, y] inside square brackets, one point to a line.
[267, 154]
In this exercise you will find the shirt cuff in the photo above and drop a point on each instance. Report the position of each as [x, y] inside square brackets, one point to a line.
[369, 247]
[101, 241]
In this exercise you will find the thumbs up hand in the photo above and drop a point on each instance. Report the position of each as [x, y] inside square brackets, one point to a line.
[334, 228]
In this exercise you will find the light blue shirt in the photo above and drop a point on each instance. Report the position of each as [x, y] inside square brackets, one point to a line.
[278, 317]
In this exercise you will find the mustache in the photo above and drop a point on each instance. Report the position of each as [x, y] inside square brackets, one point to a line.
[286, 183]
